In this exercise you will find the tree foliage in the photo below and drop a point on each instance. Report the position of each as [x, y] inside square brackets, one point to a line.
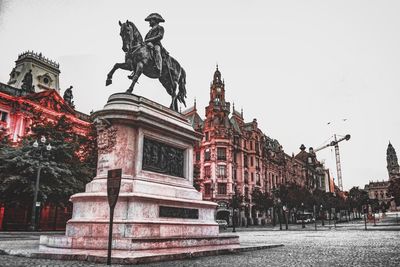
[261, 200]
[357, 198]
[65, 169]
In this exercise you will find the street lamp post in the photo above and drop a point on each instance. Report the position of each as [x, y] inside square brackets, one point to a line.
[365, 217]
[286, 218]
[279, 214]
[323, 215]
[334, 217]
[315, 217]
[234, 207]
[248, 214]
[302, 217]
[40, 147]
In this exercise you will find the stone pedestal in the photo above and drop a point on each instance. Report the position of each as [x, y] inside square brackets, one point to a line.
[158, 206]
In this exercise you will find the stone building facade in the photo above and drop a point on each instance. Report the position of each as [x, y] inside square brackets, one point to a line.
[235, 154]
[18, 104]
[378, 190]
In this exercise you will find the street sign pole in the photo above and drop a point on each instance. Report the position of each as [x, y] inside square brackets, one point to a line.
[113, 186]
[110, 235]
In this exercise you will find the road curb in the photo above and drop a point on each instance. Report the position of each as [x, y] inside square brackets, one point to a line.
[151, 258]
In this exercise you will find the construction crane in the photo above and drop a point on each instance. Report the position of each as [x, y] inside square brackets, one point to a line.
[335, 143]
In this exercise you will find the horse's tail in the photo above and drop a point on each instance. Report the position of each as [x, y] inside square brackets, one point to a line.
[182, 88]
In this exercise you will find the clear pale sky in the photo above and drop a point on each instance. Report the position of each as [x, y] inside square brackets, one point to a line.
[293, 65]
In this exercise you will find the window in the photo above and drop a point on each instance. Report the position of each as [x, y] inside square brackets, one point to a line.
[258, 182]
[251, 161]
[252, 177]
[207, 189]
[245, 160]
[221, 189]
[206, 136]
[3, 116]
[251, 145]
[221, 153]
[221, 171]
[207, 171]
[197, 155]
[207, 154]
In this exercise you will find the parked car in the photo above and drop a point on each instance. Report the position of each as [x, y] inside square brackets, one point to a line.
[307, 217]
[222, 224]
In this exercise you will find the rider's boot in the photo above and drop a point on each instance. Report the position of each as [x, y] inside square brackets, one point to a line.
[158, 59]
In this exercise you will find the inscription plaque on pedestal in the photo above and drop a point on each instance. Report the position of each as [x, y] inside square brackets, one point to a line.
[162, 158]
[183, 213]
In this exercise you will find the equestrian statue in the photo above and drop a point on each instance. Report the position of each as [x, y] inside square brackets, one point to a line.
[150, 58]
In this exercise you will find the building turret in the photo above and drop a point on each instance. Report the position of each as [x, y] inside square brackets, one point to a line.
[392, 162]
[42, 72]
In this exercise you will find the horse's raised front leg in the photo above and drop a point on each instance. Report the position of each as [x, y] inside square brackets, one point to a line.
[111, 73]
[138, 72]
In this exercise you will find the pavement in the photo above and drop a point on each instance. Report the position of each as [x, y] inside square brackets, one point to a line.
[346, 245]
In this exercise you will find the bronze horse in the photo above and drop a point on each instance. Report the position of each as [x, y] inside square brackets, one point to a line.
[139, 59]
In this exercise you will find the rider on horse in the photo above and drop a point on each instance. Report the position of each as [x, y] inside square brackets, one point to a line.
[154, 36]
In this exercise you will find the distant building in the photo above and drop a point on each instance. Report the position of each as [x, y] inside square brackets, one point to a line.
[379, 189]
[237, 154]
[34, 88]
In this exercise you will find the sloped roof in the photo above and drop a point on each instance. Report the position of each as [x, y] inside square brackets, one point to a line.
[302, 155]
[188, 110]
[193, 117]
[272, 144]
[52, 100]
[235, 125]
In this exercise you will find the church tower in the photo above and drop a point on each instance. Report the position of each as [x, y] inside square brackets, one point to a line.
[392, 162]
[45, 72]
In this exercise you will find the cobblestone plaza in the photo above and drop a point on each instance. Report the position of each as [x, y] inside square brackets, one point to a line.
[347, 245]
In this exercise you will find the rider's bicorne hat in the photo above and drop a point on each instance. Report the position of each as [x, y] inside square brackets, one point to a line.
[155, 16]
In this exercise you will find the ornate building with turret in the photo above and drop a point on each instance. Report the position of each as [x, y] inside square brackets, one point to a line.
[33, 88]
[379, 189]
[235, 155]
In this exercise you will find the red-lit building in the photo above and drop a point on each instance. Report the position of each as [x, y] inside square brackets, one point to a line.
[234, 153]
[16, 109]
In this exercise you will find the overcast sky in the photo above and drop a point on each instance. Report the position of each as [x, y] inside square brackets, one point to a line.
[293, 65]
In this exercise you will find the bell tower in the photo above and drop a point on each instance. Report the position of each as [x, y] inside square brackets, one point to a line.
[217, 111]
[392, 162]
[217, 88]
[45, 72]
